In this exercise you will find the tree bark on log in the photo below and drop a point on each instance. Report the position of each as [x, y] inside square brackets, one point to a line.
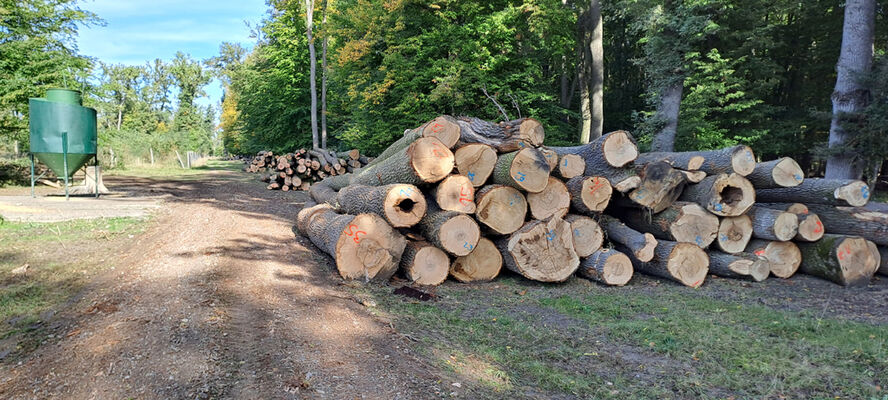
[587, 234]
[607, 266]
[323, 193]
[782, 172]
[541, 251]
[551, 158]
[525, 169]
[612, 150]
[883, 263]
[481, 265]
[500, 208]
[660, 186]
[684, 263]
[689, 161]
[811, 227]
[723, 195]
[846, 260]
[641, 245]
[865, 222]
[426, 160]
[770, 224]
[456, 193]
[444, 128]
[784, 257]
[836, 192]
[740, 265]
[734, 233]
[453, 232]
[737, 159]
[681, 222]
[424, 264]
[693, 176]
[504, 136]
[402, 206]
[475, 161]
[553, 200]
[589, 194]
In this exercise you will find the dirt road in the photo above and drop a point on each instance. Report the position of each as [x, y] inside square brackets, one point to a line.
[218, 299]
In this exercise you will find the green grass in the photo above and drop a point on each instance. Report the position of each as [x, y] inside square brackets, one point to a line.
[57, 268]
[583, 340]
[148, 171]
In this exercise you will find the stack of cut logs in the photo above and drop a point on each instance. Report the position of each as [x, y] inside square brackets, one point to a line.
[462, 197]
[299, 169]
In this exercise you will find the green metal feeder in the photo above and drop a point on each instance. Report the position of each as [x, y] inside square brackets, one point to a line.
[63, 134]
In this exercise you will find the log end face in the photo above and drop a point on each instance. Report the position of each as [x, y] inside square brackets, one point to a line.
[695, 225]
[456, 193]
[369, 249]
[785, 258]
[430, 266]
[530, 170]
[596, 193]
[856, 194]
[760, 269]
[628, 184]
[481, 265]
[532, 131]
[646, 253]
[617, 269]
[810, 228]
[734, 195]
[404, 205]
[587, 235]
[734, 233]
[786, 226]
[857, 262]
[695, 163]
[688, 264]
[502, 209]
[743, 160]
[444, 128]
[459, 235]
[571, 165]
[553, 200]
[431, 160]
[787, 173]
[543, 251]
[476, 161]
[619, 149]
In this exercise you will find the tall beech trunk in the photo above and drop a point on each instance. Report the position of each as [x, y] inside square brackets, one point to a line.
[850, 94]
[313, 66]
[324, 79]
[846, 260]
[592, 73]
[667, 115]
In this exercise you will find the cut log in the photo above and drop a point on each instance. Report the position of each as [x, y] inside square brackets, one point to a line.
[614, 149]
[770, 224]
[680, 222]
[723, 195]
[684, 263]
[553, 200]
[693, 176]
[456, 193]
[734, 233]
[426, 160]
[737, 159]
[476, 161]
[306, 213]
[551, 157]
[784, 257]
[569, 166]
[810, 226]
[867, 222]
[846, 260]
[877, 255]
[641, 245]
[837, 192]
[782, 172]
[587, 234]
[364, 246]
[501, 208]
[424, 264]
[443, 128]
[607, 266]
[660, 186]
[504, 136]
[453, 232]
[481, 265]
[401, 205]
[353, 154]
[525, 169]
[589, 194]
[541, 251]
[740, 265]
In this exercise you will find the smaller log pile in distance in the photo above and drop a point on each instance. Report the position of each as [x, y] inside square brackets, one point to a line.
[468, 198]
[300, 169]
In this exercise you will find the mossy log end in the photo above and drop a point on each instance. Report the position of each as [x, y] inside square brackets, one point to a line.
[452, 231]
[500, 208]
[607, 266]
[611, 150]
[481, 265]
[681, 222]
[740, 265]
[784, 257]
[723, 195]
[734, 233]
[553, 200]
[836, 192]
[867, 222]
[770, 224]
[401, 205]
[589, 194]
[475, 161]
[424, 264]
[505, 136]
[846, 260]
[525, 169]
[684, 263]
[641, 245]
[541, 251]
[587, 234]
[782, 172]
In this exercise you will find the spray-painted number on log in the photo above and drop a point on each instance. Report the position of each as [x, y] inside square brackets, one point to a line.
[515, 198]
[471, 176]
[844, 252]
[565, 162]
[437, 127]
[406, 192]
[577, 232]
[354, 233]
[468, 246]
[520, 176]
[865, 192]
[760, 252]
[723, 238]
[798, 177]
[597, 184]
[699, 241]
[464, 197]
[819, 227]
[438, 152]
[550, 236]
[718, 207]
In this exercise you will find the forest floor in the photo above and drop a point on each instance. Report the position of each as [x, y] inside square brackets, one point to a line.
[213, 297]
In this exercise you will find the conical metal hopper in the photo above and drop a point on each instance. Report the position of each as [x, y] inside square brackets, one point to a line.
[62, 130]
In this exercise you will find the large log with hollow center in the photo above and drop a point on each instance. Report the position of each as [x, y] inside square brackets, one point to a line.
[723, 195]
[401, 205]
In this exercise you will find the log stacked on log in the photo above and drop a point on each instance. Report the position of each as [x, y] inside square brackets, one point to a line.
[300, 169]
[474, 197]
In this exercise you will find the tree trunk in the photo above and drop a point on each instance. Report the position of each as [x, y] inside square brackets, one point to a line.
[607, 266]
[553, 200]
[846, 260]
[551, 157]
[569, 166]
[660, 186]
[837, 192]
[541, 251]
[589, 194]
[524, 169]
[401, 205]
[723, 195]
[313, 66]
[684, 263]
[740, 265]
[587, 234]
[770, 224]
[324, 80]
[869, 223]
[475, 161]
[737, 159]
[614, 149]
[501, 208]
[592, 73]
[782, 172]
[641, 245]
[883, 263]
[680, 222]
[784, 257]
[424, 264]
[453, 232]
[456, 193]
[505, 136]
[810, 225]
[481, 265]
[850, 95]
[734, 233]
[667, 113]
[426, 160]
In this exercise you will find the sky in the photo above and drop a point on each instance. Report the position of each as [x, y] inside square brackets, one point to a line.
[137, 31]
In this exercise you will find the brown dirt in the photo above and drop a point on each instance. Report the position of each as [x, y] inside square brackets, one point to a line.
[218, 299]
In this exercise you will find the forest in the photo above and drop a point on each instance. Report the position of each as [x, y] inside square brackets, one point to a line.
[705, 73]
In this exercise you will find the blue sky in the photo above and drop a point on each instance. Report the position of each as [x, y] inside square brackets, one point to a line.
[140, 31]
